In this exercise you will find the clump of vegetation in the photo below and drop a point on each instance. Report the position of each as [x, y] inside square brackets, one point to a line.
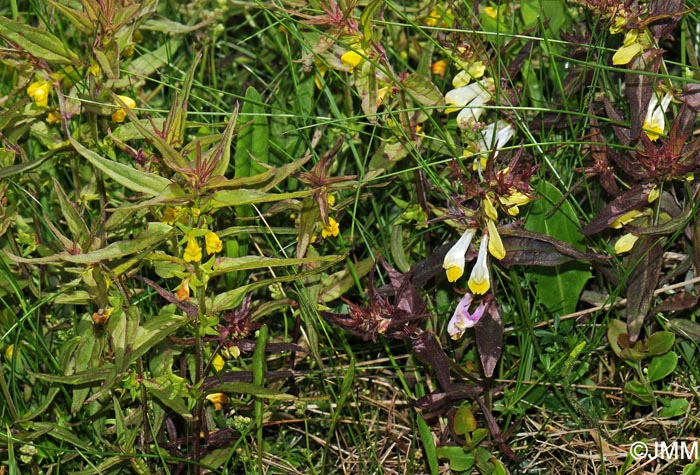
[344, 237]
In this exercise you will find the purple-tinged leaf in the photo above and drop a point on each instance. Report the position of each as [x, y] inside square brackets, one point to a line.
[634, 198]
[639, 87]
[429, 351]
[489, 338]
[646, 259]
[525, 247]
[666, 14]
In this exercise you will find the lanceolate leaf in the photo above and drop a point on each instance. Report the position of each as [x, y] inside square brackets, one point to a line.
[151, 237]
[136, 180]
[489, 338]
[38, 42]
[646, 259]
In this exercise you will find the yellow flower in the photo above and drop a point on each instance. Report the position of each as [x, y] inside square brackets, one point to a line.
[625, 218]
[455, 258]
[218, 362]
[439, 67]
[321, 70]
[331, 229]
[120, 114]
[513, 200]
[625, 243]
[9, 352]
[212, 242]
[479, 281]
[330, 199]
[471, 71]
[94, 69]
[633, 44]
[193, 253]
[495, 244]
[39, 92]
[183, 293]
[491, 12]
[351, 59]
[52, 118]
[655, 120]
[218, 399]
[489, 209]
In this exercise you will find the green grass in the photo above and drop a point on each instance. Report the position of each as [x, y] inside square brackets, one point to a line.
[122, 323]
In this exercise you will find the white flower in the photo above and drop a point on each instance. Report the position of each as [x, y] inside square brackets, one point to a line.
[469, 99]
[495, 136]
[479, 282]
[455, 257]
[462, 319]
[655, 120]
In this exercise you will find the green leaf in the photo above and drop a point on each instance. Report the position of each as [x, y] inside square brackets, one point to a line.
[423, 90]
[559, 287]
[641, 395]
[40, 43]
[659, 343]
[168, 396]
[154, 235]
[224, 265]
[78, 228]
[460, 461]
[251, 389]
[252, 144]
[662, 366]
[136, 180]
[674, 407]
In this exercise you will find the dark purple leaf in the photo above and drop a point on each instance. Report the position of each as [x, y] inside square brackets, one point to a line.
[646, 258]
[525, 247]
[691, 96]
[675, 303]
[488, 333]
[622, 133]
[667, 14]
[640, 87]
[429, 351]
[634, 198]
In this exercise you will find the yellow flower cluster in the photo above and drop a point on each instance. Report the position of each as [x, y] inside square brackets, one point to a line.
[193, 252]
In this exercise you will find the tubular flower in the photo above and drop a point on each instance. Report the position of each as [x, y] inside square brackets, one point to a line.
[193, 253]
[625, 243]
[455, 257]
[120, 114]
[513, 201]
[634, 43]
[655, 120]
[462, 319]
[473, 70]
[330, 229]
[469, 99]
[212, 243]
[217, 399]
[352, 59]
[625, 218]
[217, 362]
[39, 92]
[489, 209]
[495, 244]
[495, 136]
[479, 281]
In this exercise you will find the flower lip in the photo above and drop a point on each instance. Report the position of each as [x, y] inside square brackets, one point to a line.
[455, 258]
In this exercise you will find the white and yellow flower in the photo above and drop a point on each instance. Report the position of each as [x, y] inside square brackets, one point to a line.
[456, 257]
[469, 100]
[479, 280]
[655, 120]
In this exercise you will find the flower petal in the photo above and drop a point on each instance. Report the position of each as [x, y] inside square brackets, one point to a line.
[479, 280]
[495, 244]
